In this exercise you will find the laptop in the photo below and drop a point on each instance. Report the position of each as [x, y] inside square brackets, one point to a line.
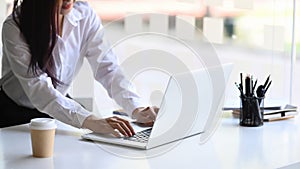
[190, 106]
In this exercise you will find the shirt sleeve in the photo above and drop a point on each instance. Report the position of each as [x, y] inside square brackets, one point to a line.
[106, 69]
[39, 89]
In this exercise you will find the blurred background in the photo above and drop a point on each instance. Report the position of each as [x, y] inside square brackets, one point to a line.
[258, 36]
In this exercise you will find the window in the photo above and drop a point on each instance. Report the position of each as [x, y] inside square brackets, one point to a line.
[255, 35]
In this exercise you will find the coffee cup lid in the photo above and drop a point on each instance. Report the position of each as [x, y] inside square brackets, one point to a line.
[42, 124]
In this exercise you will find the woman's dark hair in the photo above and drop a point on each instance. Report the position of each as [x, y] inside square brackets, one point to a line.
[38, 22]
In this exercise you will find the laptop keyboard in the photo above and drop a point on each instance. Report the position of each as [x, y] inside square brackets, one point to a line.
[141, 136]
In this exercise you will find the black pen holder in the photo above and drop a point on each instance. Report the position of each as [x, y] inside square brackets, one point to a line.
[251, 111]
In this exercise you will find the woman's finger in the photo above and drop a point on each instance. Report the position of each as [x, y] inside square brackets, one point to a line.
[110, 129]
[156, 109]
[128, 125]
[149, 114]
[122, 125]
[119, 128]
[153, 113]
[143, 118]
[116, 133]
[125, 128]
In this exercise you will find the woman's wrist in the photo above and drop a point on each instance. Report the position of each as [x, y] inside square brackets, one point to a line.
[88, 121]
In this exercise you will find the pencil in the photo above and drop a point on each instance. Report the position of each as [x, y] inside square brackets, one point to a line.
[278, 118]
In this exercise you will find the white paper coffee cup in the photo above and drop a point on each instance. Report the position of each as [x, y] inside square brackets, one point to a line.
[42, 136]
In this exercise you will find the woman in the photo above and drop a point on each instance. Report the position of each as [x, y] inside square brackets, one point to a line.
[44, 43]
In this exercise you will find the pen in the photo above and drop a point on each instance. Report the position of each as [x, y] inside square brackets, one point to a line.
[265, 85]
[251, 85]
[119, 112]
[254, 85]
[268, 86]
[241, 84]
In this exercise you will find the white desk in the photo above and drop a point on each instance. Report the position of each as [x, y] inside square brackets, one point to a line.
[274, 145]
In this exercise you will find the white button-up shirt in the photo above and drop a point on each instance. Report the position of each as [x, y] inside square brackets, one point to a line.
[82, 37]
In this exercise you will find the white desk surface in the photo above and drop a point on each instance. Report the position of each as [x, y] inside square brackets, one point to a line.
[274, 145]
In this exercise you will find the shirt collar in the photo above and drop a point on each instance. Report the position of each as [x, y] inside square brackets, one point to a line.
[74, 16]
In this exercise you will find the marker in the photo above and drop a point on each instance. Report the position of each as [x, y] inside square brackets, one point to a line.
[247, 85]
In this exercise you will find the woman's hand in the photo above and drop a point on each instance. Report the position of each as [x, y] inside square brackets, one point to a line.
[112, 125]
[145, 116]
